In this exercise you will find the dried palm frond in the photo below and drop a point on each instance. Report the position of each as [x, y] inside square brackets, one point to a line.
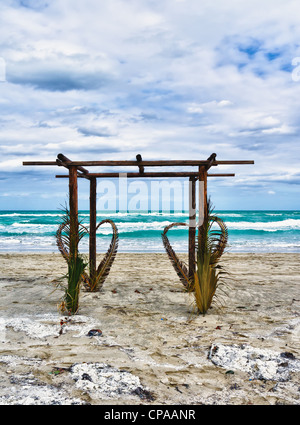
[63, 243]
[212, 240]
[219, 238]
[205, 286]
[210, 246]
[107, 261]
[180, 267]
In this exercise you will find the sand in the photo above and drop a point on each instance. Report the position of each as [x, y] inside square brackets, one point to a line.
[147, 345]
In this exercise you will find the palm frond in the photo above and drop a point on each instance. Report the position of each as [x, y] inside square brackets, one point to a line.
[63, 234]
[76, 264]
[210, 246]
[219, 239]
[62, 241]
[107, 261]
[179, 266]
[212, 240]
[76, 268]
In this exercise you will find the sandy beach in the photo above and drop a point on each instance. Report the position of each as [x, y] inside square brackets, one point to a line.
[138, 341]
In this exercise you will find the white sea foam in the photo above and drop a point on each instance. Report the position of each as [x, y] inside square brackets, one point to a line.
[229, 215]
[21, 214]
[270, 226]
[30, 228]
[141, 232]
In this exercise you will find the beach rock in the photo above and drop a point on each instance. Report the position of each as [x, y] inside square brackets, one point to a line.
[288, 355]
[260, 364]
[102, 381]
[27, 390]
[43, 326]
[94, 332]
[143, 394]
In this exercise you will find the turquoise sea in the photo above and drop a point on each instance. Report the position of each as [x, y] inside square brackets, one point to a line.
[249, 231]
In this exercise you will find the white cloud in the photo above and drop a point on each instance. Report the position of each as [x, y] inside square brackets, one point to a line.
[164, 79]
[224, 103]
[195, 109]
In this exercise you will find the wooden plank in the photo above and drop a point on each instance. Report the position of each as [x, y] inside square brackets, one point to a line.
[93, 224]
[150, 174]
[192, 226]
[221, 175]
[32, 163]
[160, 163]
[170, 163]
[237, 162]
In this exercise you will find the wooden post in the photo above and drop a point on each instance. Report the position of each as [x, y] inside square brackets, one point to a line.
[73, 195]
[202, 199]
[93, 224]
[192, 226]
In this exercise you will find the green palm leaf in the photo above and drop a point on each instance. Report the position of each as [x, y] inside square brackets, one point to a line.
[210, 246]
[76, 264]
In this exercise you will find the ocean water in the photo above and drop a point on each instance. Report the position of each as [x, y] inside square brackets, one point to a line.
[249, 231]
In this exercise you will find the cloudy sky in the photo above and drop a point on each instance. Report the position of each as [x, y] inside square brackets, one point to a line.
[169, 79]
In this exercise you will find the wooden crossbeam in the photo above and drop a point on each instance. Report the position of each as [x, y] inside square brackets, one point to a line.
[209, 162]
[160, 163]
[170, 163]
[149, 174]
[32, 163]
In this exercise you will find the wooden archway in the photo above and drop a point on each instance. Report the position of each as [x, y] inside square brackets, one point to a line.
[77, 169]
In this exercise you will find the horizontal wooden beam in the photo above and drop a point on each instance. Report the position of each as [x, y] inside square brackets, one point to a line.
[39, 163]
[148, 175]
[159, 163]
[162, 163]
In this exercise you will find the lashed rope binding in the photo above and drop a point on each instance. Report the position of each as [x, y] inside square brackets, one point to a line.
[104, 267]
